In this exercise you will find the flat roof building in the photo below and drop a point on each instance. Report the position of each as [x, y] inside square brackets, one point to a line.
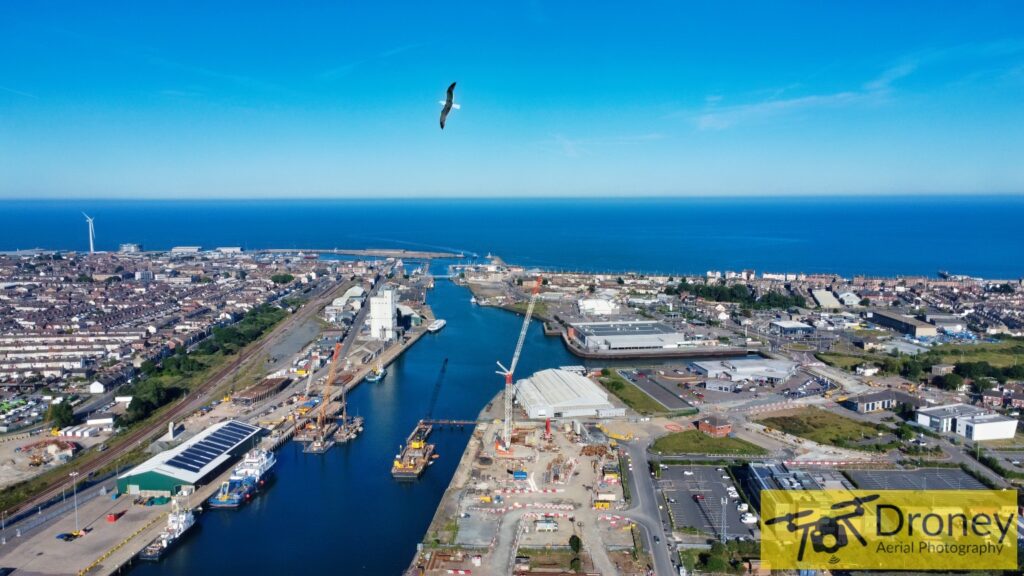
[757, 476]
[560, 394]
[790, 327]
[191, 463]
[629, 335]
[747, 369]
[971, 422]
[904, 324]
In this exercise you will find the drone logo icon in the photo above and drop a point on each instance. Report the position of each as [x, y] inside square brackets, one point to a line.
[828, 534]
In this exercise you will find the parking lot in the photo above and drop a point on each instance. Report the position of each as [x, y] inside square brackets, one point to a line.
[695, 495]
[924, 479]
[1011, 460]
[660, 391]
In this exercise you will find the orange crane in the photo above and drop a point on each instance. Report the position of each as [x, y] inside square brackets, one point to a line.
[325, 398]
[506, 429]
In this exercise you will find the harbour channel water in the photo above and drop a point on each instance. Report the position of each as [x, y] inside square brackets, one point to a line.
[342, 513]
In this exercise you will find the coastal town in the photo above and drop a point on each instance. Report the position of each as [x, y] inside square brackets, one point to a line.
[152, 386]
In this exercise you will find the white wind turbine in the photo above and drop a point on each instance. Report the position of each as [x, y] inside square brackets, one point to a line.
[92, 232]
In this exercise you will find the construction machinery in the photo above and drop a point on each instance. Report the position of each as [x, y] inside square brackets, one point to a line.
[323, 435]
[417, 453]
[504, 444]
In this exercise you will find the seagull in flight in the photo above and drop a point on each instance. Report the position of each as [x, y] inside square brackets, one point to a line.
[448, 103]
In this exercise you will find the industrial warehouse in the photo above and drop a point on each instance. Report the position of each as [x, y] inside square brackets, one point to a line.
[191, 463]
[747, 370]
[561, 394]
[629, 335]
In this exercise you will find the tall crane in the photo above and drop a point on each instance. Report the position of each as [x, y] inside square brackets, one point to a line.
[506, 428]
[325, 399]
[310, 369]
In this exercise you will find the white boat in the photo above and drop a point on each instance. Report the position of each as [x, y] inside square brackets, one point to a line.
[257, 465]
[472, 300]
[179, 521]
[436, 325]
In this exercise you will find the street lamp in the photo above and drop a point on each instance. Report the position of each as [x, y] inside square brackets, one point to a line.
[74, 489]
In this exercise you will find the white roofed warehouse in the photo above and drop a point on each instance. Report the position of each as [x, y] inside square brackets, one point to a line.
[561, 394]
[191, 463]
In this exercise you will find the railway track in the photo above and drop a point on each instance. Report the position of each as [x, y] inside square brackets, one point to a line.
[190, 402]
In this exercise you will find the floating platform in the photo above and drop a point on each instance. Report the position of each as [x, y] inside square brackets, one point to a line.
[319, 446]
[416, 455]
[349, 430]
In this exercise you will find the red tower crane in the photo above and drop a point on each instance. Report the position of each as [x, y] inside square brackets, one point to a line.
[506, 429]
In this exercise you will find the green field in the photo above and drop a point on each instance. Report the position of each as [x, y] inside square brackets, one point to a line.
[696, 442]
[822, 427]
[634, 397]
[1000, 354]
[1014, 444]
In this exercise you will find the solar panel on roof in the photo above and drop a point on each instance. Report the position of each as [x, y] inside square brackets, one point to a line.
[200, 454]
[178, 462]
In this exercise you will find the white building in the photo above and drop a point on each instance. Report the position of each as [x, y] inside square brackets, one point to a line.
[560, 394]
[97, 387]
[849, 299]
[596, 307]
[971, 422]
[747, 370]
[383, 316]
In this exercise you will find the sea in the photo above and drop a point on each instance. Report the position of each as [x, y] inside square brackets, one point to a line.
[342, 513]
[876, 236]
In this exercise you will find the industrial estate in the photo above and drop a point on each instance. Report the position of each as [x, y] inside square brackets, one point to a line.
[144, 389]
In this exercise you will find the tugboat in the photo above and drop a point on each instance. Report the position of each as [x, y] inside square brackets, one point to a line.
[179, 521]
[233, 493]
[377, 374]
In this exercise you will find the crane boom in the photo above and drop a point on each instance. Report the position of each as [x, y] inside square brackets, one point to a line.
[526, 326]
[506, 430]
[325, 398]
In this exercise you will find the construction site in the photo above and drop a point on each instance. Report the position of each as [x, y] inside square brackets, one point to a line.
[533, 496]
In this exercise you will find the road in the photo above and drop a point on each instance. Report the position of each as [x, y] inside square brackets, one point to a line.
[645, 510]
[189, 403]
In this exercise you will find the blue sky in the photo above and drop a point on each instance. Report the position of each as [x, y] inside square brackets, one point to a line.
[248, 99]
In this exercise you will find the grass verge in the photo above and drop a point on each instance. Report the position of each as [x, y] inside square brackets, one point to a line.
[634, 397]
[696, 442]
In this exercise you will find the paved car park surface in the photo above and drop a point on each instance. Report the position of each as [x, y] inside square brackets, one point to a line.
[698, 500]
[661, 393]
[1010, 459]
[924, 479]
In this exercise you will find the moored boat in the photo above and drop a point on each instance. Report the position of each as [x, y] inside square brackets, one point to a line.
[179, 521]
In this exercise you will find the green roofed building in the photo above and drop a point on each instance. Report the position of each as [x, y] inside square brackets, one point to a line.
[192, 463]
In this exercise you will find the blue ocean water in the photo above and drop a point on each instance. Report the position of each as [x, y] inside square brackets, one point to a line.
[875, 236]
[343, 513]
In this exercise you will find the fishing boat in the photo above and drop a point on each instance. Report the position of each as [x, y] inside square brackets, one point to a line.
[179, 521]
[436, 325]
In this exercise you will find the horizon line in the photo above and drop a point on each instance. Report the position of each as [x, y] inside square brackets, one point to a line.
[836, 195]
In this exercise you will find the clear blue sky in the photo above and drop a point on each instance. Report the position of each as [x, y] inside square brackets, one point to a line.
[249, 99]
